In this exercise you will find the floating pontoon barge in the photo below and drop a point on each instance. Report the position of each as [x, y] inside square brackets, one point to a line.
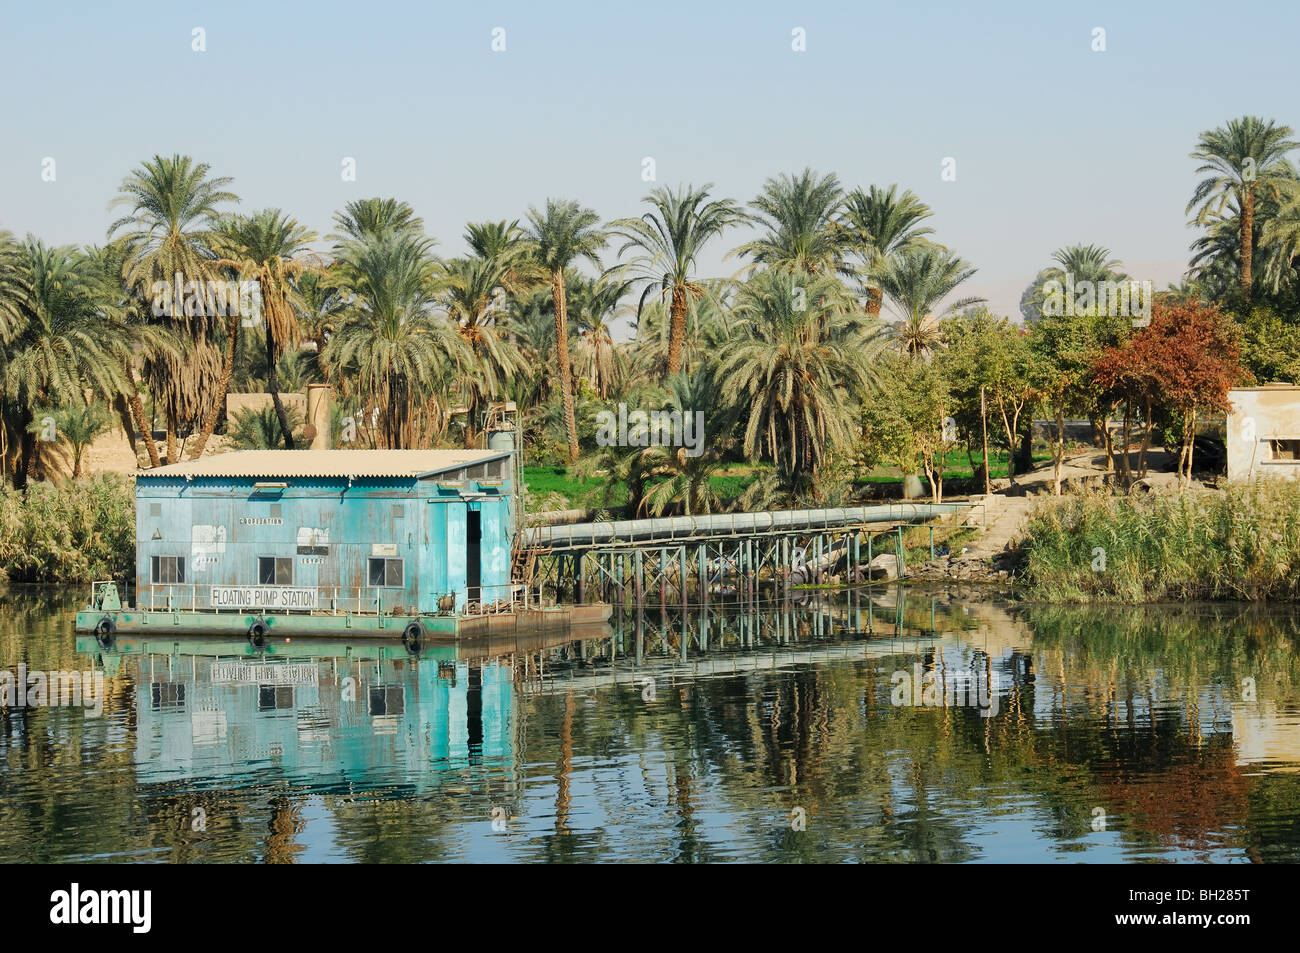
[276, 543]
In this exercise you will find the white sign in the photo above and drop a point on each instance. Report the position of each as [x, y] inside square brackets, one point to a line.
[207, 540]
[290, 673]
[262, 597]
[383, 549]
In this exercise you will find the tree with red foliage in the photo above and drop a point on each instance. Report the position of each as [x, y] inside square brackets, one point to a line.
[1186, 360]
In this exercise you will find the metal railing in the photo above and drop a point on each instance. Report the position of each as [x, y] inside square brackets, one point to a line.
[334, 600]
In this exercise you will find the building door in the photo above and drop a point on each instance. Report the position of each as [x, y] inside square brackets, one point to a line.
[473, 554]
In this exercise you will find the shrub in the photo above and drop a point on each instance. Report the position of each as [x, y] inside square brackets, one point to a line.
[73, 532]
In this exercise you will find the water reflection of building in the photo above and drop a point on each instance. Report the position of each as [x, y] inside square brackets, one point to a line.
[1267, 735]
[320, 720]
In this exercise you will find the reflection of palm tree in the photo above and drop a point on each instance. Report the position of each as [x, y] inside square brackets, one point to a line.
[564, 769]
[286, 822]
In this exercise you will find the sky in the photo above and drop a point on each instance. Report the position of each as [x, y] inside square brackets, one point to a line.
[1054, 142]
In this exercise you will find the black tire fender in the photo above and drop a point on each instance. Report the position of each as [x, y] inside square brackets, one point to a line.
[413, 635]
[258, 631]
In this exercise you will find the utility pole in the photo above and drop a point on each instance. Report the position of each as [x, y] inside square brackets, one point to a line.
[984, 426]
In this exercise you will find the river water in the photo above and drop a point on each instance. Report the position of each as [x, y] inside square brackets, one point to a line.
[884, 725]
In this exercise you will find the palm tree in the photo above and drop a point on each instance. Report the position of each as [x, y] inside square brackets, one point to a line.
[799, 213]
[398, 352]
[473, 293]
[1248, 153]
[363, 219]
[78, 427]
[565, 233]
[173, 206]
[677, 474]
[916, 281]
[1281, 237]
[596, 357]
[1073, 264]
[531, 326]
[261, 429]
[879, 224]
[59, 341]
[270, 248]
[670, 238]
[707, 326]
[321, 306]
[794, 365]
[148, 341]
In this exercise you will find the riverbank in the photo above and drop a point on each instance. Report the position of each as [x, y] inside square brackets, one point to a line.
[1238, 542]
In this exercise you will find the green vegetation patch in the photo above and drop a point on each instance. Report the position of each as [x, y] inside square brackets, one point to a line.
[1241, 542]
[71, 532]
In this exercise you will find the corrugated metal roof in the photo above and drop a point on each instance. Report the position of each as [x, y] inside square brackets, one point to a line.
[325, 463]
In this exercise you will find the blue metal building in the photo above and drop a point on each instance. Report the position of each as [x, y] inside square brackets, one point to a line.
[395, 532]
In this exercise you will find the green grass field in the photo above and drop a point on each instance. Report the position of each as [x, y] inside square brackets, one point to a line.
[552, 482]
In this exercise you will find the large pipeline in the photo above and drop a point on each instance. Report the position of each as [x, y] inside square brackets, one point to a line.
[671, 528]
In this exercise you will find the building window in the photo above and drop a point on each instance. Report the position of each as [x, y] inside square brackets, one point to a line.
[385, 573]
[274, 571]
[168, 569]
[274, 697]
[166, 696]
[1285, 451]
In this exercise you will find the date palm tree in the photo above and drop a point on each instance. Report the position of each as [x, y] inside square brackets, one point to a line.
[917, 280]
[363, 219]
[1072, 264]
[880, 223]
[597, 359]
[321, 305]
[670, 238]
[795, 364]
[561, 235]
[683, 474]
[172, 207]
[399, 353]
[148, 339]
[707, 326]
[59, 340]
[474, 293]
[799, 214]
[1246, 156]
[272, 249]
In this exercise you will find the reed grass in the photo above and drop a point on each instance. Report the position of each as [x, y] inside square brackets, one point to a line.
[71, 532]
[1240, 542]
